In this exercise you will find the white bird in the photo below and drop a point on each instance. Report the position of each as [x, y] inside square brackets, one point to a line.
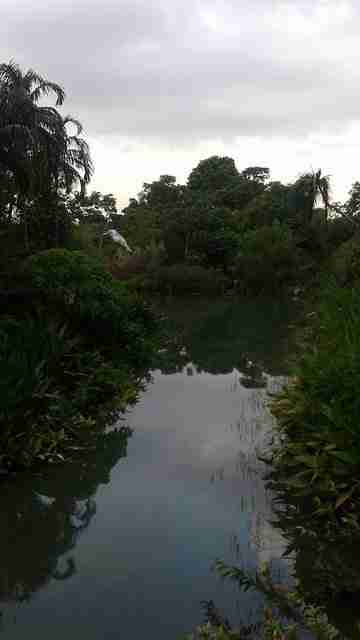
[117, 237]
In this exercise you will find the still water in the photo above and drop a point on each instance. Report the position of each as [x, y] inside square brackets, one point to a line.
[122, 545]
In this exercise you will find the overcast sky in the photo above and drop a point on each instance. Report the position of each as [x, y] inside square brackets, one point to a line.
[161, 84]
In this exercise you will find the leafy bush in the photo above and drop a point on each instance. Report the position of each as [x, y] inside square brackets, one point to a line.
[268, 259]
[51, 388]
[67, 273]
[339, 230]
[93, 303]
[85, 237]
[345, 264]
[84, 341]
[130, 266]
[319, 452]
[285, 614]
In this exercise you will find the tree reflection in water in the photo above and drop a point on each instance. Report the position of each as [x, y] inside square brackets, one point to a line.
[328, 569]
[41, 524]
[251, 341]
[251, 337]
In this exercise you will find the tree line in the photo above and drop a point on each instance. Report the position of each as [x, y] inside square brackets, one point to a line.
[73, 340]
[255, 231]
[239, 224]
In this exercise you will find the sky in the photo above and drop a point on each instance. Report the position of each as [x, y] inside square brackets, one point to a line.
[161, 84]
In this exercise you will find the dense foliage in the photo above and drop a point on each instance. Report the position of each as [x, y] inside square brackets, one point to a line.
[73, 342]
[285, 614]
[319, 453]
[255, 236]
[82, 341]
[260, 236]
[75, 338]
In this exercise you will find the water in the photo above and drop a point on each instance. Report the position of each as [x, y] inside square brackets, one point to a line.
[122, 545]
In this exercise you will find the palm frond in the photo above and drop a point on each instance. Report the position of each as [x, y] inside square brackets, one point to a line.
[44, 88]
[37, 138]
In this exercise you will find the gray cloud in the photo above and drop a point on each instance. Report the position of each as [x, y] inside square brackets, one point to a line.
[186, 71]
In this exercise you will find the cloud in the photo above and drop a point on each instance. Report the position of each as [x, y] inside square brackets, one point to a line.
[177, 74]
[170, 70]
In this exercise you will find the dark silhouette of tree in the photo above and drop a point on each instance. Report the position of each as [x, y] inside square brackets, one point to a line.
[41, 152]
[306, 192]
[42, 517]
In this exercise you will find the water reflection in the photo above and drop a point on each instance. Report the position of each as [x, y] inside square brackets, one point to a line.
[328, 571]
[191, 490]
[43, 515]
[247, 344]
[252, 337]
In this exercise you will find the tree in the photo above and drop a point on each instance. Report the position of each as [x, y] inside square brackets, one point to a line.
[140, 225]
[95, 208]
[38, 137]
[212, 174]
[239, 192]
[214, 239]
[161, 194]
[155, 218]
[257, 174]
[218, 181]
[269, 205]
[22, 121]
[39, 149]
[352, 206]
[307, 190]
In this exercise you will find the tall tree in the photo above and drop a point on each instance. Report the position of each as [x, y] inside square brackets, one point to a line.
[307, 190]
[39, 149]
[257, 174]
[23, 123]
[352, 206]
[162, 193]
[36, 143]
[212, 174]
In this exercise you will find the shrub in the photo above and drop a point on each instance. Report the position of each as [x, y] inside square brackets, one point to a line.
[67, 273]
[130, 266]
[85, 237]
[319, 453]
[285, 613]
[93, 303]
[345, 264]
[268, 259]
[50, 390]
[84, 341]
[339, 230]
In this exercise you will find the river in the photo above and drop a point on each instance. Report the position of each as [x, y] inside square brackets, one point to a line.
[122, 544]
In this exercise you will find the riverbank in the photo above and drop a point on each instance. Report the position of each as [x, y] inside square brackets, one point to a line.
[318, 457]
[189, 490]
[73, 352]
[314, 471]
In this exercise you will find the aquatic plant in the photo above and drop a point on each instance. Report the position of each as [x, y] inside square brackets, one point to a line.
[51, 388]
[83, 342]
[318, 453]
[285, 615]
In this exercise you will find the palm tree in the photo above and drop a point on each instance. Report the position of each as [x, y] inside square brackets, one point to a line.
[308, 189]
[75, 164]
[22, 120]
[30, 133]
[36, 146]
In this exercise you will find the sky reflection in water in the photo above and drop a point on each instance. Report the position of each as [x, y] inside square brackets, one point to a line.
[122, 545]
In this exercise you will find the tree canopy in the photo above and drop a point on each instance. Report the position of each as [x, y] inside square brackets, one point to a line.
[42, 154]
